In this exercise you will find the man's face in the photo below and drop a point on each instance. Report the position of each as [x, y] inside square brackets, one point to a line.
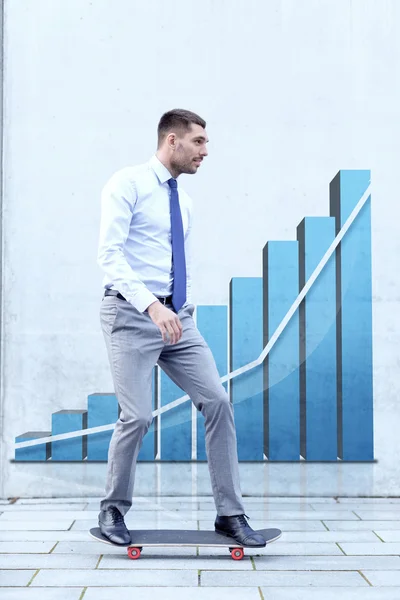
[191, 148]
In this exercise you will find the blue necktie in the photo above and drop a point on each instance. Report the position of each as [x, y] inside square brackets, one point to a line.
[178, 248]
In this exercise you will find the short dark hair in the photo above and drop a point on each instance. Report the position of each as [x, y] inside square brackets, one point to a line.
[178, 118]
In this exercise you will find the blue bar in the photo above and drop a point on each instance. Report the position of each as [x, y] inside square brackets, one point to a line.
[66, 421]
[176, 424]
[318, 375]
[102, 410]
[281, 366]
[246, 337]
[41, 452]
[148, 449]
[354, 322]
[212, 322]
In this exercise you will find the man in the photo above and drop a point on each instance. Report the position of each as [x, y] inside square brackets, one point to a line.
[146, 319]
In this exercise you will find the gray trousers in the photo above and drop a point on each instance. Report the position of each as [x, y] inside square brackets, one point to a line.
[135, 345]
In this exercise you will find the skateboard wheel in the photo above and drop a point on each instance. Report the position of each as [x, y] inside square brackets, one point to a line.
[134, 553]
[237, 553]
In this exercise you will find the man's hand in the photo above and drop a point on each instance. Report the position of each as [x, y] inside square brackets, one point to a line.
[167, 321]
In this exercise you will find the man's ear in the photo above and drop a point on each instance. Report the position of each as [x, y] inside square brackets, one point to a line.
[171, 140]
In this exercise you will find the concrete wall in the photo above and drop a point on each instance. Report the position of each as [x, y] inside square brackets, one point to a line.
[292, 92]
[1, 240]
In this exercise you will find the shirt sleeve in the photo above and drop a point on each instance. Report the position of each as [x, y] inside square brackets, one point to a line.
[117, 203]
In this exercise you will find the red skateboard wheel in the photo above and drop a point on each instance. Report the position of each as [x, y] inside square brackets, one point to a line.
[134, 553]
[237, 553]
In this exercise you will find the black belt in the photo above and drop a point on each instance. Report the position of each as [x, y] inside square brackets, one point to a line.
[166, 300]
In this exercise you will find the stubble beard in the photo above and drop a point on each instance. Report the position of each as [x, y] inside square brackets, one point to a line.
[184, 166]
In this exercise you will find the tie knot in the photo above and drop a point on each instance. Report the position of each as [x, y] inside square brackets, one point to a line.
[173, 184]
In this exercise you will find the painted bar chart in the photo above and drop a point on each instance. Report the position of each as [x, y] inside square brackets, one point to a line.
[246, 340]
[308, 396]
[148, 451]
[102, 409]
[212, 322]
[65, 421]
[354, 318]
[281, 367]
[176, 426]
[317, 316]
[41, 452]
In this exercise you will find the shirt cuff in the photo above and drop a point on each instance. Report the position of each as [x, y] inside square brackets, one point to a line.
[142, 300]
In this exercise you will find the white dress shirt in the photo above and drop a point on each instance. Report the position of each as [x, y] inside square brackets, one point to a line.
[135, 249]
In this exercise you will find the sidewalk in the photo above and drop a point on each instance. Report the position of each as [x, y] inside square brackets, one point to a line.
[329, 547]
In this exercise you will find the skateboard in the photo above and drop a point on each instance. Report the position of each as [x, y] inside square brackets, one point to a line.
[177, 537]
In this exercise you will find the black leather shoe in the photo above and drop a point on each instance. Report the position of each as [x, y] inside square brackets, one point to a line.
[112, 526]
[238, 528]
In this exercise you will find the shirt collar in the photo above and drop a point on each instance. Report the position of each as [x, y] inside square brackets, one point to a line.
[162, 172]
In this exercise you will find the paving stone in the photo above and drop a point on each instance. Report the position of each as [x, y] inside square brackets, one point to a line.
[89, 547]
[357, 507]
[326, 563]
[369, 500]
[381, 515]
[365, 549]
[325, 593]
[151, 507]
[47, 561]
[35, 525]
[34, 508]
[85, 525]
[54, 501]
[361, 525]
[331, 515]
[313, 499]
[328, 536]
[296, 515]
[123, 578]
[31, 515]
[280, 548]
[15, 578]
[172, 593]
[147, 561]
[388, 535]
[97, 548]
[25, 547]
[251, 507]
[29, 593]
[284, 579]
[43, 536]
[291, 499]
[147, 499]
[383, 578]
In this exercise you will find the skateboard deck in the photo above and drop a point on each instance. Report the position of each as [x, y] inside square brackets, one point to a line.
[179, 537]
